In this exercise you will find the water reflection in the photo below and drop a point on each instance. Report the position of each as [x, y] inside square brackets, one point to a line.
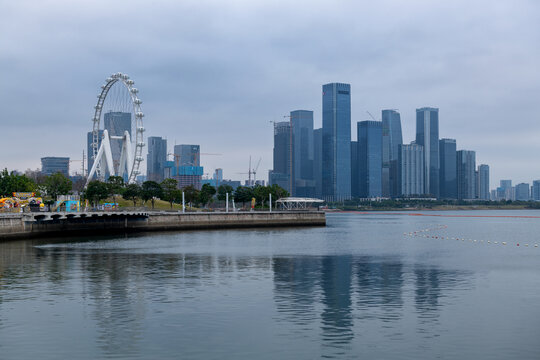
[353, 290]
[337, 299]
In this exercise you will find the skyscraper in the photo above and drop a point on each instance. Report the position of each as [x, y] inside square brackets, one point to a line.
[186, 167]
[483, 182]
[156, 158]
[354, 170]
[448, 172]
[116, 123]
[427, 135]
[336, 142]
[370, 153]
[411, 169]
[522, 192]
[302, 183]
[52, 165]
[466, 168]
[391, 139]
[188, 155]
[317, 161]
[281, 172]
[535, 193]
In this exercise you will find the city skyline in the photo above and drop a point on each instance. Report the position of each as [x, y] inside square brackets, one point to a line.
[483, 80]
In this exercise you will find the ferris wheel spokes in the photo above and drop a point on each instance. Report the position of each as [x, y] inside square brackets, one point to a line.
[131, 155]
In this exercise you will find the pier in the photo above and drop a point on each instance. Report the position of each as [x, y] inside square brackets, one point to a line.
[49, 224]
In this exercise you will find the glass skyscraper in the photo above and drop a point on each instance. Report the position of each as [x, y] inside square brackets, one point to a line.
[156, 158]
[370, 154]
[354, 170]
[483, 182]
[427, 135]
[317, 161]
[523, 192]
[466, 168]
[302, 182]
[336, 142]
[281, 173]
[52, 165]
[391, 139]
[411, 169]
[535, 193]
[448, 172]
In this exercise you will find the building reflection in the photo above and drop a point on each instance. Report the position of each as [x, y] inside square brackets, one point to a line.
[380, 283]
[350, 295]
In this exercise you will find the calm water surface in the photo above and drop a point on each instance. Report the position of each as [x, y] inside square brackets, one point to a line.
[358, 288]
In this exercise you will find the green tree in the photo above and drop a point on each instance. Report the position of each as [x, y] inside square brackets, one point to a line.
[150, 191]
[12, 182]
[170, 190]
[260, 193]
[191, 194]
[206, 194]
[278, 192]
[116, 186]
[57, 184]
[96, 191]
[243, 194]
[132, 192]
[223, 190]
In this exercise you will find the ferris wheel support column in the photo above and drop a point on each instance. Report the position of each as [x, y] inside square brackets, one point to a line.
[126, 156]
[104, 155]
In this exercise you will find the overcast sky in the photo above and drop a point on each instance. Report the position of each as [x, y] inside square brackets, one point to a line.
[215, 73]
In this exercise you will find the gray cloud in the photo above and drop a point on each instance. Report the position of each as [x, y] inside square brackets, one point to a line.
[215, 73]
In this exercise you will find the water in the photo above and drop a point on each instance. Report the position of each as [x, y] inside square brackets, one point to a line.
[357, 288]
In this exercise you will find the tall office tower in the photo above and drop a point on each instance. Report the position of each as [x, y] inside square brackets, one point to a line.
[156, 158]
[391, 139]
[448, 173]
[116, 123]
[317, 161]
[89, 149]
[336, 143]
[466, 167]
[52, 165]
[483, 182]
[411, 169]
[302, 182]
[281, 173]
[506, 191]
[354, 169]
[427, 135]
[535, 193]
[522, 192]
[188, 155]
[370, 153]
[187, 169]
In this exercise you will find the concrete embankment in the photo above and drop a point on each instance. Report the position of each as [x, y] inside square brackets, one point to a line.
[31, 225]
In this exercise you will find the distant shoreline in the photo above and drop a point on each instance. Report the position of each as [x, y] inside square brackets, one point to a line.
[432, 208]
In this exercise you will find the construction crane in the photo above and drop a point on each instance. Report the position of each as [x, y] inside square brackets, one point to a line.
[82, 161]
[373, 117]
[252, 171]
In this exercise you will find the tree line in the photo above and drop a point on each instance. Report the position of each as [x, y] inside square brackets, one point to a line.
[168, 191]
[44, 186]
[57, 184]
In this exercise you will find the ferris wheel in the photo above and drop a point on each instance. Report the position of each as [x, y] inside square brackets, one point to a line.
[115, 151]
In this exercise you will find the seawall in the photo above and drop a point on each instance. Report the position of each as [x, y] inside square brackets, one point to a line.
[33, 225]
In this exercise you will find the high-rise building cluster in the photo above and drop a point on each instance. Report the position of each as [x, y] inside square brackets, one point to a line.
[327, 164]
[519, 192]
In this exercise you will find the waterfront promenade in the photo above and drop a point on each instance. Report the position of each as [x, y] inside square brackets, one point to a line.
[43, 224]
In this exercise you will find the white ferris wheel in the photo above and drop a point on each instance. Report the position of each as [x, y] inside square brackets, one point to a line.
[114, 150]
